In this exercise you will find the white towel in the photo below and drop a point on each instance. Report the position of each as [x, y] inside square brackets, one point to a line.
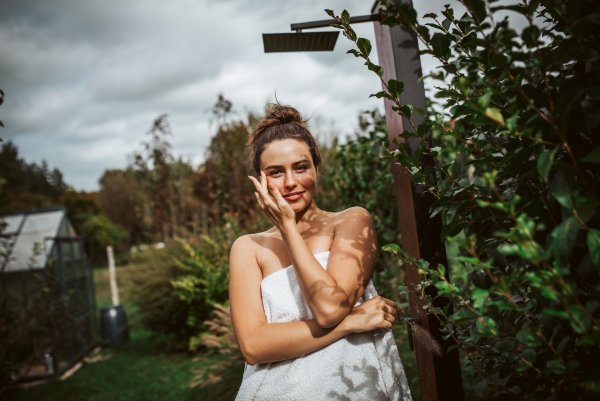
[359, 366]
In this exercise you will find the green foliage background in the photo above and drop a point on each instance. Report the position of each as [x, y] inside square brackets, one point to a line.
[517, 183]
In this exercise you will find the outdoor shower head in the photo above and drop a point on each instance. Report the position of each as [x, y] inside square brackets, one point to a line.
[300, 42]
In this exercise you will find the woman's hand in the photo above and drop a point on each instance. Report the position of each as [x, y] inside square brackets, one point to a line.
[376, 313]
[272, 203]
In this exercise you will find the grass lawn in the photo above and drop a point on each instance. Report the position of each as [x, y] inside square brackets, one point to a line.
[136, 371]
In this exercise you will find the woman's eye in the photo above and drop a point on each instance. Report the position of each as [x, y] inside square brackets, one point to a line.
[274, 172]
[301, 168]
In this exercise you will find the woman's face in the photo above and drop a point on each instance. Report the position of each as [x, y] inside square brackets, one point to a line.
[289, 167]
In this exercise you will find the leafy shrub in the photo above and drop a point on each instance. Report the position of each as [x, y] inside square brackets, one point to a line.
[149, 289]
[102, 232]
[517, 184]
[204, 275]
[174, 289]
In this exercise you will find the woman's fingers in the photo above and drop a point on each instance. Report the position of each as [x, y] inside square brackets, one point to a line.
[261, 203]
[263, 180]
[259, 187]
[281, 203]
[389, 317]
[263, 193]
[397, 310]
[271, 192]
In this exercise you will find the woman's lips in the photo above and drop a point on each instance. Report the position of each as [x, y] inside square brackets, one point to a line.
[293, 197]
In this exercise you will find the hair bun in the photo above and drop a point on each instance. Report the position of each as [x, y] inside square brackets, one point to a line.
[278, 114]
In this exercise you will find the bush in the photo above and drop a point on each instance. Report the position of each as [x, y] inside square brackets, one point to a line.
[174, 289]
[517, 183]
[149, 289]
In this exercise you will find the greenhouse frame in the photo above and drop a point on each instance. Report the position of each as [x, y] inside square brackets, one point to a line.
[47, 295]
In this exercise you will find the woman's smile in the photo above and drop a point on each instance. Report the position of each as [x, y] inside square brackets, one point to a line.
[293, 196]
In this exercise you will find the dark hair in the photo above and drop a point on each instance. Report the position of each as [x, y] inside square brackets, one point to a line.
[281, 122]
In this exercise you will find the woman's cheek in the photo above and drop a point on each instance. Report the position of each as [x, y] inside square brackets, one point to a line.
[275, 183]
[308, 181]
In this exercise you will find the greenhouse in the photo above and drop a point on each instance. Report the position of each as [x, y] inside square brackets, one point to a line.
[47, 297]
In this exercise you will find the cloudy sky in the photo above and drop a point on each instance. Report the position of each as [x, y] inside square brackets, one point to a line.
[84, 79]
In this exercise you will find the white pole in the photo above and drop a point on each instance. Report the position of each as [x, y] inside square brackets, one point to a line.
[113, 276]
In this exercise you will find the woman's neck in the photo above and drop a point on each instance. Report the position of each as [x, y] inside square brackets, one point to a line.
[307, 217]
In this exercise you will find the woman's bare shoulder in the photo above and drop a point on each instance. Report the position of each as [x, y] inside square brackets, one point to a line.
[355, 214]
[251, 244]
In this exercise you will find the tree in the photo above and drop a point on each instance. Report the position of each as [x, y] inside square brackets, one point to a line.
[522, 109]
[123, 202]
[27, 185]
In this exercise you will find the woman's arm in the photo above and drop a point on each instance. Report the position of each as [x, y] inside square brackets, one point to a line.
[261, 342]
[330, 294]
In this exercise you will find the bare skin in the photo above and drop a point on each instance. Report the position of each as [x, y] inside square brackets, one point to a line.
[286, 195]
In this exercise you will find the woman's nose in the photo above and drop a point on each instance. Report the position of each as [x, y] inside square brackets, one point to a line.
[290, 181]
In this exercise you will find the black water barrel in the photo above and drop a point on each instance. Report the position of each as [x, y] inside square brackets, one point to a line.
[114, 326]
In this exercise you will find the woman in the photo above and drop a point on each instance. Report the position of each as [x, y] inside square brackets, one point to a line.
[315, 329]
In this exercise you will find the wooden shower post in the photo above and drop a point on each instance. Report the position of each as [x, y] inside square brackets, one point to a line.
[397, 49]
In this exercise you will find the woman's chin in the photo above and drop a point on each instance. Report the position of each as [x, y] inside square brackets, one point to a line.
[299, 207]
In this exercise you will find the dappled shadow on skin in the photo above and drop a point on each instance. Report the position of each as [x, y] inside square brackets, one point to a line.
[368, 387]
[318, 233]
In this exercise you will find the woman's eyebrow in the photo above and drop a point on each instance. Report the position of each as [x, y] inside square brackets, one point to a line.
[293, 164]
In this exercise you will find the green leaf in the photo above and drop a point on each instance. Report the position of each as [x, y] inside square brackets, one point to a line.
[441, 46]
[382, 94]
[375, 68]
[430, 15]
[586, 207]
[563, 240]
[530, 35]
[418, 153]
[549, 292]
[480, 296]
[488, 328]
[563, 343]
[544, 163]
[330, 13]
[512, 122]
[345, 17]
[392, 248]
[495, 115]
[592, 157]
[477, 7]
[529, 355]
[463, 315]
[563, 187]
[446, 24]
[409, 134]
[452, 229]
[365, 46]
[355, 52]
[405, 110]
[593, 244]
[395, 87]
[555, 366]
[480, 386]
[463, 84]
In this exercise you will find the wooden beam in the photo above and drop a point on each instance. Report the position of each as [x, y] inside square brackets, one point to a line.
[439, 378]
